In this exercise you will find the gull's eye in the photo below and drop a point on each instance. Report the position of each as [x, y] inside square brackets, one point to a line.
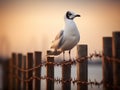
[68, 14]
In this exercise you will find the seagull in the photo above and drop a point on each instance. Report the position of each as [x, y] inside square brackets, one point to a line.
[67, 38]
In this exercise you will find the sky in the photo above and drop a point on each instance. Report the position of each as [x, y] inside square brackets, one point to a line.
[29, 26]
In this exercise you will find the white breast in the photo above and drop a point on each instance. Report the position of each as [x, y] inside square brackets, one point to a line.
[71, 36]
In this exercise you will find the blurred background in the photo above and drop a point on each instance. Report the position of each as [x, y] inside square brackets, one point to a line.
[32, 25]
[28, 26]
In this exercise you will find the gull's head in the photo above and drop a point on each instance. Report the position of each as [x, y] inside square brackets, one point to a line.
[71, 15]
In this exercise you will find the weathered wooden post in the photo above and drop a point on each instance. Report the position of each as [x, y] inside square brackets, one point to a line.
[19, 71]
[14, 58]
[5, 65]
[66, 76]
[37, 61]
[11, 72]
[16, 71]
[24, 74]
[50, 73]
[116, 55]
[107, 66]
[82, 68]
[30, 72]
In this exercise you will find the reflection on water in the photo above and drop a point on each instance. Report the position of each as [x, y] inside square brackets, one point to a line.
[94, 72]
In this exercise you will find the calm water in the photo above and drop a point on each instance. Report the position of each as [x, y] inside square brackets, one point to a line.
[94, 72]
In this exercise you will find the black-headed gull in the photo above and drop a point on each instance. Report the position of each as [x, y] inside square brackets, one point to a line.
[66, 39]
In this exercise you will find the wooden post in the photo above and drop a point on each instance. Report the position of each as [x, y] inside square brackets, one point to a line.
[11, 73]
[82, 68]
[24, 74]
[14, 58]
[37, 62]
[16, 71]
[116, 54]
[107, 66]
[19, 72]
[66, 75]
[5, 65]
[30, 73]
[50, 73]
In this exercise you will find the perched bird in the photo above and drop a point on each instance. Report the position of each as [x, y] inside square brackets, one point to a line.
[66, 39]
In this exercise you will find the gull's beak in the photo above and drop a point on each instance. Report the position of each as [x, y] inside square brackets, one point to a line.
[77, 15]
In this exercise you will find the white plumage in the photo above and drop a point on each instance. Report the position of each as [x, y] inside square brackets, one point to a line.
[66, 39]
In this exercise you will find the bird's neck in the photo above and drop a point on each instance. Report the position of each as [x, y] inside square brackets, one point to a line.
[68, 21]
[70, 24]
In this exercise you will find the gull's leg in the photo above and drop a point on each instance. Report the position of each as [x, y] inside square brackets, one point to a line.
[69, 54]
[63, 55]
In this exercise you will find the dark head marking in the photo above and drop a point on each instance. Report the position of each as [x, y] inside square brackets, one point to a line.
[68, 14]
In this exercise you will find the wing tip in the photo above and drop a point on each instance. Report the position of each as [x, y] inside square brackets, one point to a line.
[53, 53]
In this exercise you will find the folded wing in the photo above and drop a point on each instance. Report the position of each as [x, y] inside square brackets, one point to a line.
[58, 40]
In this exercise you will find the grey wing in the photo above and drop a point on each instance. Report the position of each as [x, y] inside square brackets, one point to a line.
[58, 40]
[59, 35]
[61, 41]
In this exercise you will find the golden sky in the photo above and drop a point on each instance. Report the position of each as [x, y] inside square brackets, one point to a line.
[31, 26]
